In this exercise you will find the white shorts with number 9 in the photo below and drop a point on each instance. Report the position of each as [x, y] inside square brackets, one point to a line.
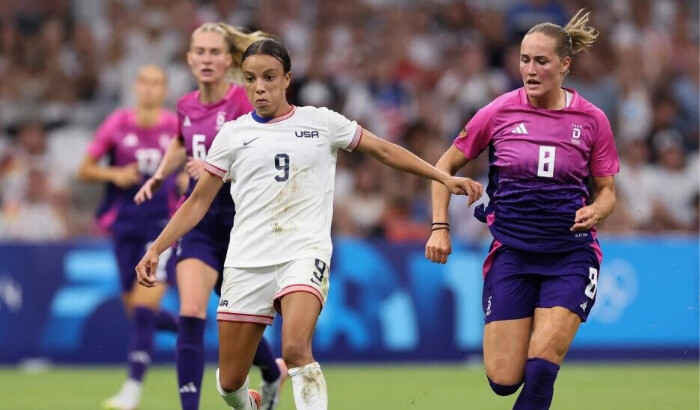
[253, 294]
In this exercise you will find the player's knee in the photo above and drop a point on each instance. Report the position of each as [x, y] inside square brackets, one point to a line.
[232, 380]
[504, 389]
[296, 353]
[193, 310]
[552, 349]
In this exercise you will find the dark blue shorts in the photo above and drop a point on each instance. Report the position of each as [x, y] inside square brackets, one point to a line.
[516, 282]
[129, 249]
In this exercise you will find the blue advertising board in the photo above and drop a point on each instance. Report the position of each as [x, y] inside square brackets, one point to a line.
[62, 302]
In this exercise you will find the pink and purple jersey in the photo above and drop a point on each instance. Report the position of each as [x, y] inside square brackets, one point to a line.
[125, 142]
[541, 162]
[199, 123]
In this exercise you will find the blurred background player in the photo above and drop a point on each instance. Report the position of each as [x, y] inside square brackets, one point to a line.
[546, 144]
[279, 254]
[134, 140]
[214, 59]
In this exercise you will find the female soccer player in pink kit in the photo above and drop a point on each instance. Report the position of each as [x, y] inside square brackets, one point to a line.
[214, 58]
[546, 146]
[135, 140]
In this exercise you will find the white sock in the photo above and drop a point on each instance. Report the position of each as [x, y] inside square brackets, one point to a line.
[130, 393]
[239, 399]
[309, 387]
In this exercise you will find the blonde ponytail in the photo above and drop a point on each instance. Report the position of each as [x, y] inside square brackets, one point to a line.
[573, 37]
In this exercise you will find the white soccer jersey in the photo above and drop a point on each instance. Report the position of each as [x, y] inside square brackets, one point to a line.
[282, 178]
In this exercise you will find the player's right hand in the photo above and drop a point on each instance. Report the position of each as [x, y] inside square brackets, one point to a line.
[147, 190]
[465, 186]
[439, 246]
[194, 167]
[146, 269]
[126, 176]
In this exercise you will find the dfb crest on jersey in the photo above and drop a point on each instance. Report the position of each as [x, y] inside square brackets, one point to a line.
[131, 140]
[164, 140]
[220, 119]
[576, 134]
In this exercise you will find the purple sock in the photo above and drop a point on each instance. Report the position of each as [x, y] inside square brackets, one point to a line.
[190, 360]
[166, 321]
[538, 389]
[265, 360]
[141, 342]
[503, 390]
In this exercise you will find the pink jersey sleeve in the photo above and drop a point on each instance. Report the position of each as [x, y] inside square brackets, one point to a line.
[103, 141]
[604, 161]
[476, 135]
[241, 101]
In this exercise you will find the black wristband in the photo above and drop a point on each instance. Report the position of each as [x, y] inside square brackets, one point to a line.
[439, 228]
[440, 223]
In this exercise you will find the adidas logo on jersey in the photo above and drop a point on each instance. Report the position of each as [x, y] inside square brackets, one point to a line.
[187, 122]
[520, 129]
[188, 388]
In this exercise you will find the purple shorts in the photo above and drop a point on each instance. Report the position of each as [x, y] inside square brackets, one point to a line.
[129, 249]
[208, 242]
[516, 282]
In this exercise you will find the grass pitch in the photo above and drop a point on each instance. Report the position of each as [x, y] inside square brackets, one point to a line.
[411, 387]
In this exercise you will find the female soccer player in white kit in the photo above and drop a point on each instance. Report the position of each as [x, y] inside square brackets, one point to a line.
[281, 161]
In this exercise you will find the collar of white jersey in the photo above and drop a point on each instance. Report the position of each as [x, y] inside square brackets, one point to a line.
[270, 120]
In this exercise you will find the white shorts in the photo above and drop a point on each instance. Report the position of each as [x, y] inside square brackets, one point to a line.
[253, 294]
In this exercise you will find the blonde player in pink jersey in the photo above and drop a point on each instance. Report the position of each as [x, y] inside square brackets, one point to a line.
[214, 58]
[547, 145]
[281, 161]
[134, 141]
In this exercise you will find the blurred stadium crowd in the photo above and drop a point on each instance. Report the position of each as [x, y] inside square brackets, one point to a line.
[412, 71]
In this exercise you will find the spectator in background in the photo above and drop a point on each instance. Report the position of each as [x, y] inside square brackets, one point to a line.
[382, 102]
[31, 151]
[635, 184]
[685, 89]
[37, 216]
[526, 13]
[634, 107]
[673, 206]
[315, 88]
[471, 84]
[598, 88]
[406, 195]
[360, 214]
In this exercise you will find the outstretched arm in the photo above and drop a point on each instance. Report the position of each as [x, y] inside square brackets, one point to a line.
[187, 216]
[123, 177]
[404, 160]
[604, 200]
[175, 155]
[439, 245]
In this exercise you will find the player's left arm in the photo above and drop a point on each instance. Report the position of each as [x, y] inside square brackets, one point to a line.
[187, 216]
[603, 205]
[404, 160]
